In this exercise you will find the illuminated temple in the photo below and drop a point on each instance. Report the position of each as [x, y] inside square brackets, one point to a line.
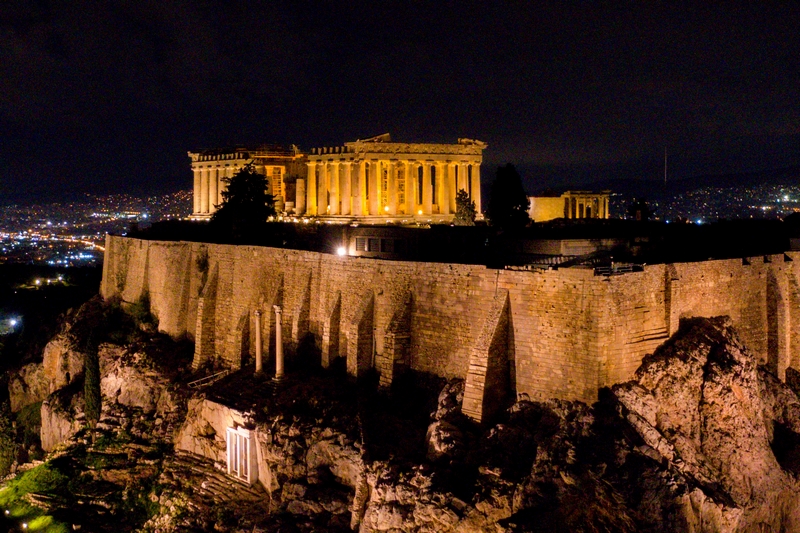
[211, 167]
[371, 180]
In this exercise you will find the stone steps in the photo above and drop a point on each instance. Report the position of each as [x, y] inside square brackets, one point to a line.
[209, 485]
[649, 335]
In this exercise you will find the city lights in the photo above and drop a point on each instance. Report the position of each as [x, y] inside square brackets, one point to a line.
[33, 234]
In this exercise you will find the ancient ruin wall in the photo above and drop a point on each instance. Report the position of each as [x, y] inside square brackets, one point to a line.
[570, 331]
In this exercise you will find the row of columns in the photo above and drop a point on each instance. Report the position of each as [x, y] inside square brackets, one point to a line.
[208, 187]
[357, 188]
[579, 206]
[279, 362]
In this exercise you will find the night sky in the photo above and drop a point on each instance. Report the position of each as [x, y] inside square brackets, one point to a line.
[108, 96]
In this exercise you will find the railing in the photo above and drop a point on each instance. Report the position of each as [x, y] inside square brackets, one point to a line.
[617, 269]
[208, 380]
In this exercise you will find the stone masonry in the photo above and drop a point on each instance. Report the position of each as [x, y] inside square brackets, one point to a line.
[561, 333]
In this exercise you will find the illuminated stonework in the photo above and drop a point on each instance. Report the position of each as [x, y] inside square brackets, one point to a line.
[571, 204]
[210, 167]
[371, 180]
[376, 179]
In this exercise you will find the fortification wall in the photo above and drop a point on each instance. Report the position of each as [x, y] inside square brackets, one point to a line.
[569, 331]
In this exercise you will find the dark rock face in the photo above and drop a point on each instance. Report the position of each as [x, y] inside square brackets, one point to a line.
[701, 440]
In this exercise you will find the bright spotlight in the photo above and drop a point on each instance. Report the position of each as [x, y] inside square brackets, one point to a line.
[13, 323]
[341, 250]
[386, 208]
[419, 212]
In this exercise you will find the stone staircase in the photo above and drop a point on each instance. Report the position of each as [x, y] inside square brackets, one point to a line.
[649, 335]
[206, 485]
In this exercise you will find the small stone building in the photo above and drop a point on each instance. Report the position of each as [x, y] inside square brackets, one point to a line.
[571, 205]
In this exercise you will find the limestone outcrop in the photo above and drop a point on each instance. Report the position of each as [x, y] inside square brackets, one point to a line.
[136, 399]
[27, 386]
[703, 408]
[62, 417]
[702, 440]
[62, 362]
[60, 366]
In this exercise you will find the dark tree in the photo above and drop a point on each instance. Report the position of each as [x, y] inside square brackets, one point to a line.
[8, 446]
[88, 331]
[639, 210]
[246, 204]
[465, 209]
[508, 203]
[91, 385]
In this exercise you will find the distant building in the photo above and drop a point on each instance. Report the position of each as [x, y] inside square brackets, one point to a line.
[372, 180]
[571, 205]
[280, 165]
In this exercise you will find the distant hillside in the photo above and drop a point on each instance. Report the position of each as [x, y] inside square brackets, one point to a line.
[656, 189]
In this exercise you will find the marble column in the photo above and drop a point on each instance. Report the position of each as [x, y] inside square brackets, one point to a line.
[278, 342]
[392, 183]
[427, 193]
[221, 185]
[204, 192]
[444, 189]
[259, 364]
[311, 189]
[359, 188]
[333, 173]
[196, 196]
[411, 186]
[476, 186]
[346, 188]
[323, 202]
[462, 177]
[300, 197]
[374, 191]
[213, 182]
[451, 186]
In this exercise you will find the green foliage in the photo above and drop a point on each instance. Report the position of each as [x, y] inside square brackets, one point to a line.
[112, 440]
[508, 203]
[8, 446]
[246, 204]
[29, 425]
[141, 311]
[43, 479]
[89, 331]
[91, 387]
[465, 209]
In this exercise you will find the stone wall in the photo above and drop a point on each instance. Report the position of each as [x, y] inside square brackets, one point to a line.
[569, 331]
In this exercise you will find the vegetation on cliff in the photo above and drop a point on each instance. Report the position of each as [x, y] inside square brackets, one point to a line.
[652, 455]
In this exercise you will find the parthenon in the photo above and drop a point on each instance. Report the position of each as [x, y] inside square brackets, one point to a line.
[381, 179]
[211, 167]
[371, 180]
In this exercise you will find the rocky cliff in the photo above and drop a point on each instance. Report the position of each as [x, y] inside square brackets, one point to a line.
[702, 440]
